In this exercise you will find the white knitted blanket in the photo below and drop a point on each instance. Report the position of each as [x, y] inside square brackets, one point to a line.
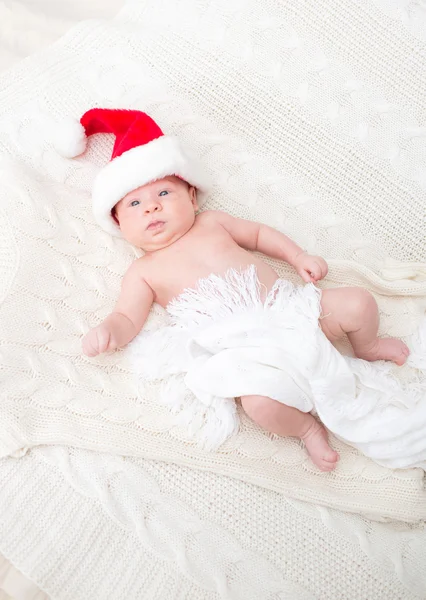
[302, 125]
[309, 116]
[228, 81]
[28, 26]
[101, 527]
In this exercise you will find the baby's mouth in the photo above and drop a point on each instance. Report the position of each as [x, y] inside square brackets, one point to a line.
[155, 225]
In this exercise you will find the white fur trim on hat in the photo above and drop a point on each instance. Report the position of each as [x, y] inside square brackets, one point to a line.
[138, 166]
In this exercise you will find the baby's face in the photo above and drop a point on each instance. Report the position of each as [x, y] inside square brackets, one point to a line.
[157, 214]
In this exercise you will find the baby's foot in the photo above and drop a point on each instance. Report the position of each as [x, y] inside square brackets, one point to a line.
[385, 349]
[316, 442]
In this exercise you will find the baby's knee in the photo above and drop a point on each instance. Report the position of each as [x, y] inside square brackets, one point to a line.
[360, 303]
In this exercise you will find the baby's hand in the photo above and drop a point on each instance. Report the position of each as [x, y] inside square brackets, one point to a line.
[310, 268]
[99, 339]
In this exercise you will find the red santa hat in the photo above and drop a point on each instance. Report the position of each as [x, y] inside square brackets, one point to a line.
[141, 154]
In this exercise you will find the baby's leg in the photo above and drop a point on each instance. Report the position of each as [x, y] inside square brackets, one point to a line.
[354, 311]
[287, 421]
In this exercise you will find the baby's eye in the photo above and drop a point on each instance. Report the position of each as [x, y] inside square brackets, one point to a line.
[163, 193]
[134, 203]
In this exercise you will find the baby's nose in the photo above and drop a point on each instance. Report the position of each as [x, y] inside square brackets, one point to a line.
[152, 207]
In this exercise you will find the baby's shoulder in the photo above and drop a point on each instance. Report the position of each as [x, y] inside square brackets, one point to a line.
[211, 216]
[138, 266]
[137, 273]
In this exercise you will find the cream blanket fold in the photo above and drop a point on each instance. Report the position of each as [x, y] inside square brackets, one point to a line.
[226, 341]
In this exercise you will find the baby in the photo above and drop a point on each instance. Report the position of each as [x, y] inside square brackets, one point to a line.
[148, 195]
[182, 247]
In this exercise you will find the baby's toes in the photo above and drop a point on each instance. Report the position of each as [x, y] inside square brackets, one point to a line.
[331, 456]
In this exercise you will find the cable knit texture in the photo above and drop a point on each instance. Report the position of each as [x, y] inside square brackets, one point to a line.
[308, 117]
[142, 529]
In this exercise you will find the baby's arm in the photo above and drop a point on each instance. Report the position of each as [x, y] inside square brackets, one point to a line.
[127, 318]
[269, 241]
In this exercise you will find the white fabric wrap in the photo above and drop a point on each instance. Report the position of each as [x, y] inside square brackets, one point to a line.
[227, 340]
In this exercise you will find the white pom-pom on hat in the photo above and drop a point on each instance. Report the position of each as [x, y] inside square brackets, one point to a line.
[69, 137]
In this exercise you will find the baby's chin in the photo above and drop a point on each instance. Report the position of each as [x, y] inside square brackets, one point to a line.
[158, 240]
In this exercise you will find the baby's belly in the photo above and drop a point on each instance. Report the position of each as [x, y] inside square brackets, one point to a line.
[188, 275]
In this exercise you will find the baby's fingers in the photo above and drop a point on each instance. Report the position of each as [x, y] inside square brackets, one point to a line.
[315, 271]
[88, 348]
[306, 276]
[103, 338]
[323, 267]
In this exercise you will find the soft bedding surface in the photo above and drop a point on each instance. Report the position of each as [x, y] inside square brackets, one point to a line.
[273, 157]
[27, 26]
[307, 121]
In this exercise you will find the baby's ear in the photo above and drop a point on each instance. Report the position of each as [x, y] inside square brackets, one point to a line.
[114, 215]
[193, 196]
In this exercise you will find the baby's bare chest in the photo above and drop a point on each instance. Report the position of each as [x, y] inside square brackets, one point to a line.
[184, 264]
